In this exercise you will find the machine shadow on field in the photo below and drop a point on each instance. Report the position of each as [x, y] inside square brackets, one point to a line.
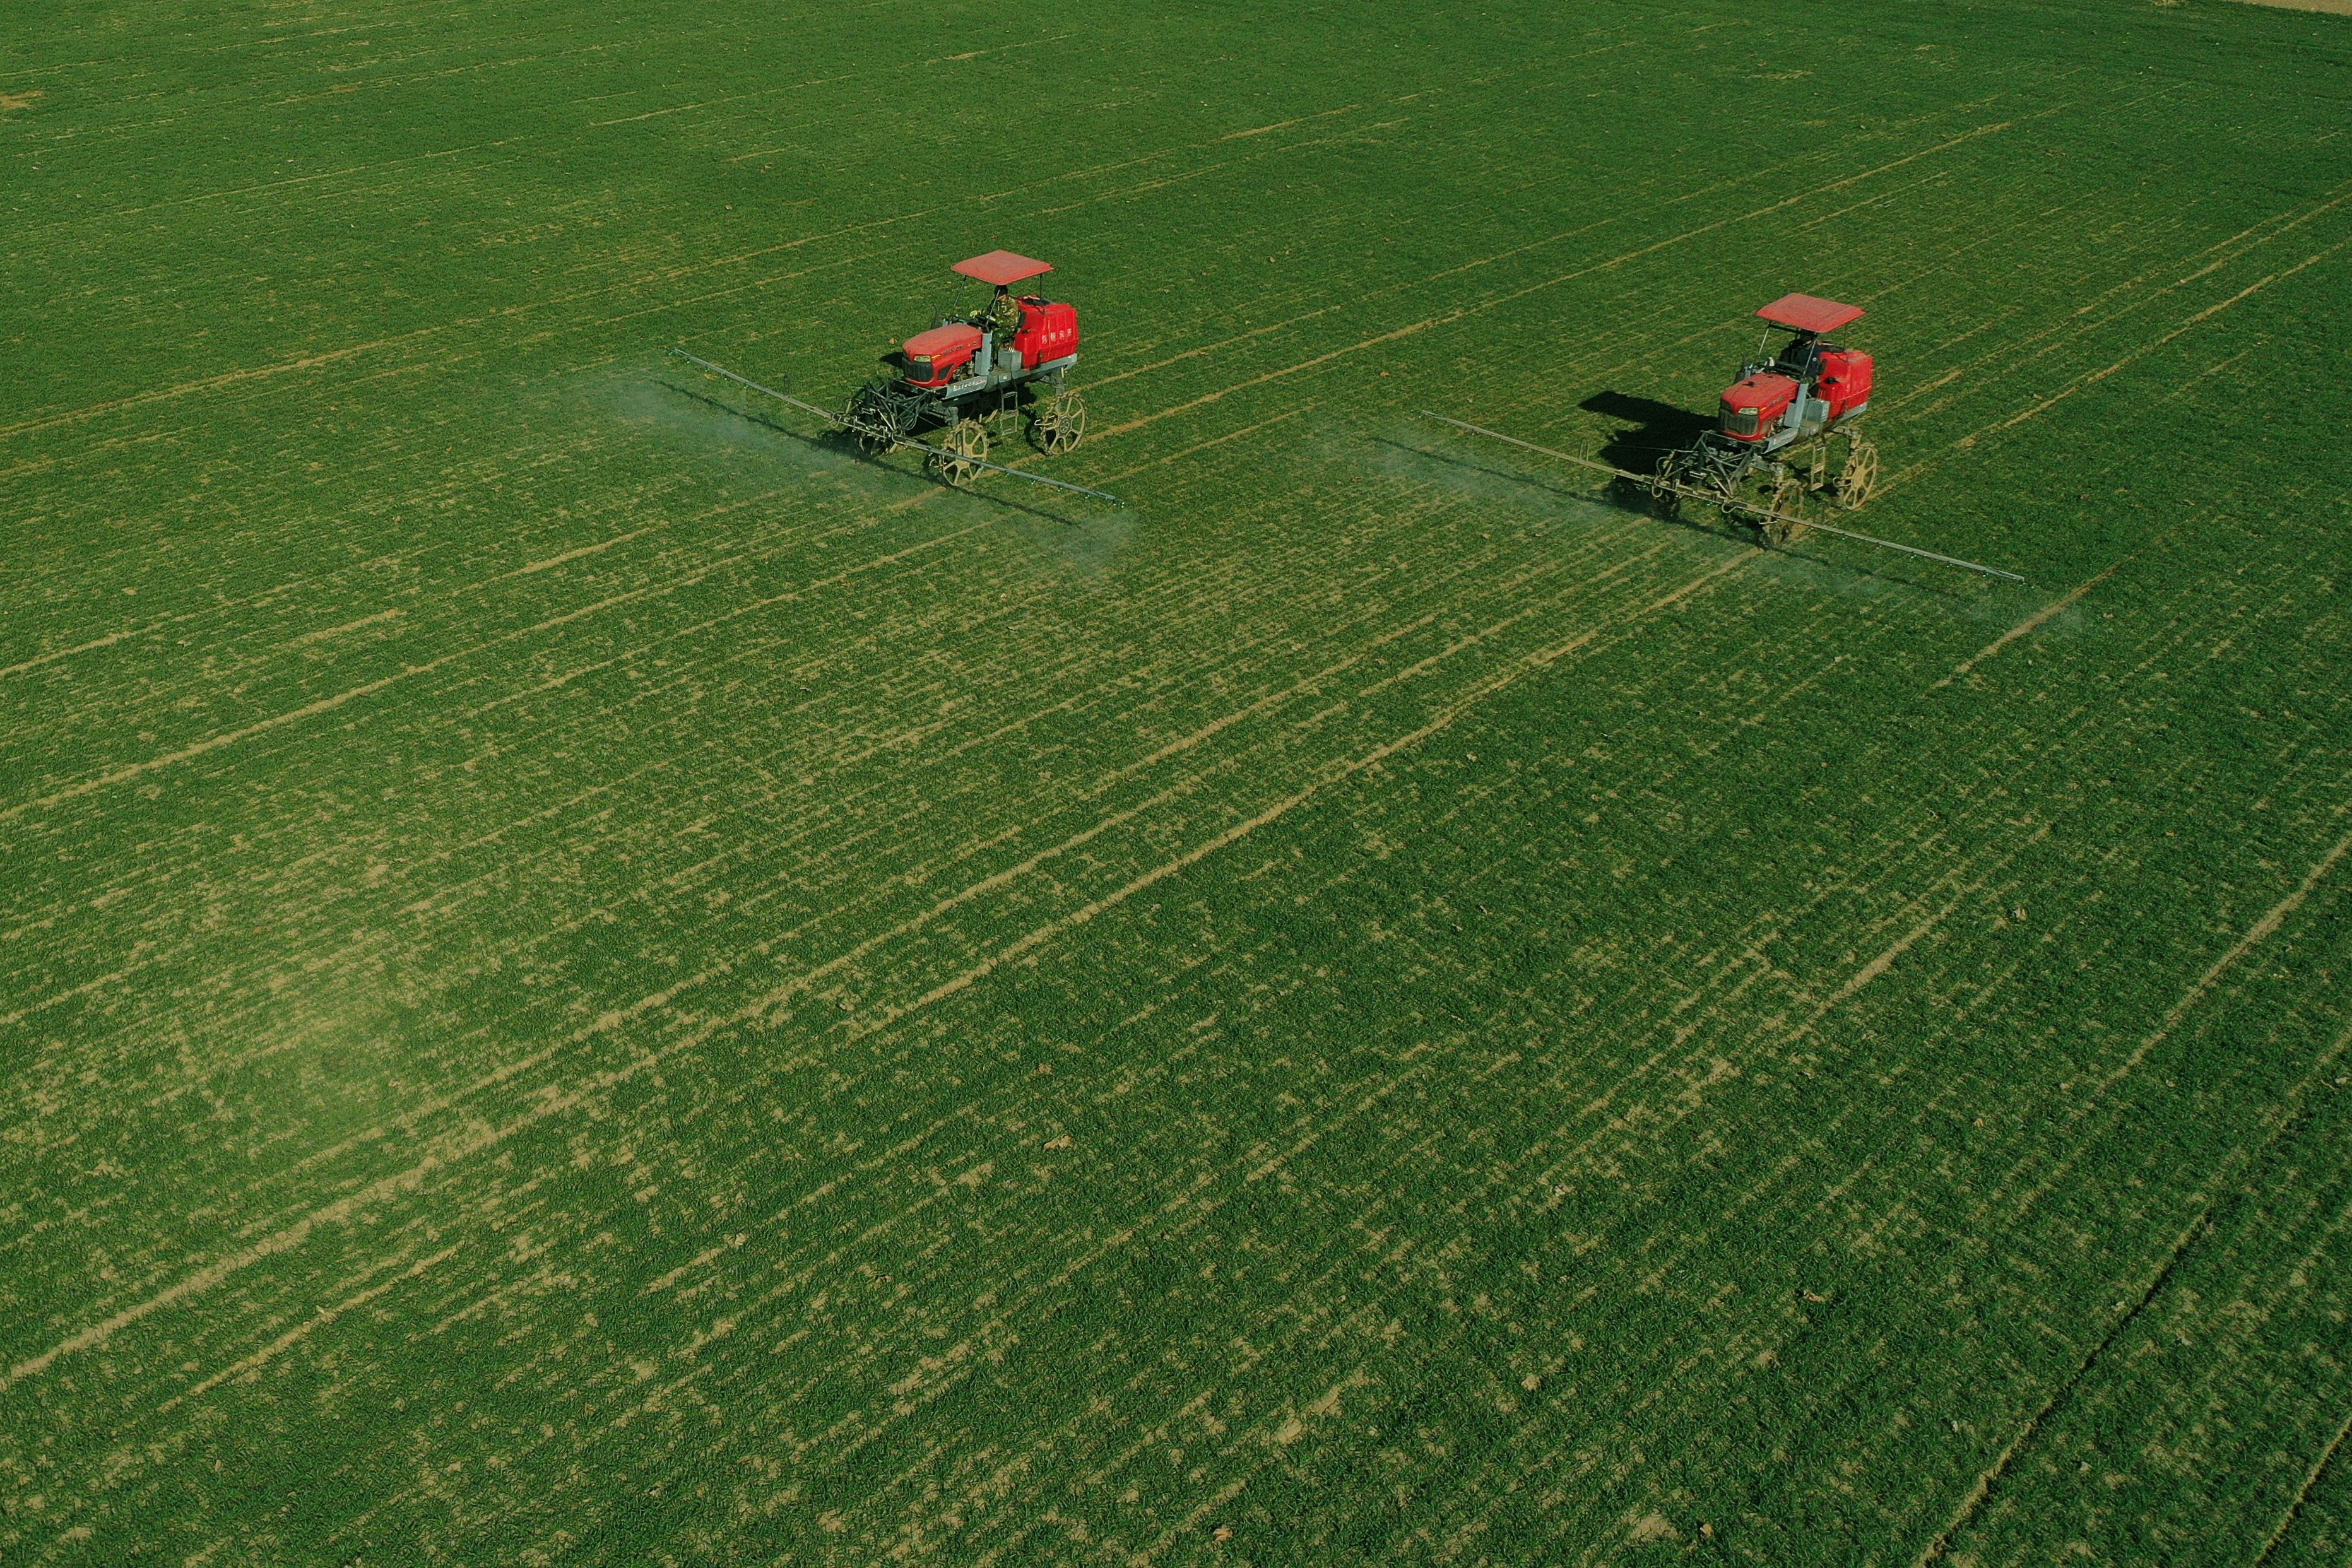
[1469, 477]
[1647, 431]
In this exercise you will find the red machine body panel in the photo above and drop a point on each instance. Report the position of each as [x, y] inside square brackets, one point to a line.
[1753, 408]
[933, 358]
[1810, 313]
[1846, 375]
[1003, 268]
[1049, 331]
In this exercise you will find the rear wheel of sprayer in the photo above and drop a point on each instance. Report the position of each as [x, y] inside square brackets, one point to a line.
[1059, 422]
[1858, 477]
[963, 448]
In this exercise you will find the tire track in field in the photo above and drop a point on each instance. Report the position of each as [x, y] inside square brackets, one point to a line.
[1969, 1239]
[750, 849]
[552, 1102]
[1504, 589]
[2092, 378]
[1332, 774]
[766, 947]
[327, 704]
[2208, 1205]
[2056, 607]
[287, 588]
[2007, 355]
[1981, 998]
[1260, 1431]
[658, 276]
[1783, 1176]
[1628, 1430]
[1443, 273]
[322, 1318]
[2265, 928]
[211, 743]
[271, 369]
[2257, 1298]
[2285, 1525]
[2235, 247]
[1972, 1233]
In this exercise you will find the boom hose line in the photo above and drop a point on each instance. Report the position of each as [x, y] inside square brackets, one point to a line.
[1751, 509]
[835, 420]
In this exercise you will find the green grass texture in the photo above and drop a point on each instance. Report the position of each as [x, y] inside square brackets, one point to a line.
[589, 975]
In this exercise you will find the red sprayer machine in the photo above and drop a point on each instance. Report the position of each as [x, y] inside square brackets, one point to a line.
[969, 373]
[1785, 431]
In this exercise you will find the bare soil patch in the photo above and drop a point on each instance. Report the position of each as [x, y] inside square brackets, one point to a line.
[2334, 7]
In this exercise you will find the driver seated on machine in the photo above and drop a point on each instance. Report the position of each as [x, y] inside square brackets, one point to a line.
[1003, 316]
[1802, 360]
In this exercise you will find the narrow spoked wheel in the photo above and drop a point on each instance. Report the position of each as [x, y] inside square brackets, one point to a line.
[1859, 475]
[1781, 501]
[963, 448]
[881, 414]
[1677, 472]
[1059, 423]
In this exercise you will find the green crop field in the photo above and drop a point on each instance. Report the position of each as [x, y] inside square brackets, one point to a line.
[589, 975]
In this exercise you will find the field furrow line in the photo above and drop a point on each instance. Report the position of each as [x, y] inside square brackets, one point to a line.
[476, 1140]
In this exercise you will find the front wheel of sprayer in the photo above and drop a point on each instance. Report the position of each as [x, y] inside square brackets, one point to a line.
[1781, 524]
[1857, 476]
[1059, 422]
[1665, 485]
[881, 416]
[964, 447]
[1700, 473]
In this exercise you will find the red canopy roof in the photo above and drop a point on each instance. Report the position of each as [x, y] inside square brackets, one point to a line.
[1003, 268]
[1805, 313]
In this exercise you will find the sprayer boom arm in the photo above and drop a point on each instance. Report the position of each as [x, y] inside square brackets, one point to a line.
[838, 422]
[1734, 503]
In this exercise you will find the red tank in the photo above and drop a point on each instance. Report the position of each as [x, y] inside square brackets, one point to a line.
[1845, 382]
[1048, 331]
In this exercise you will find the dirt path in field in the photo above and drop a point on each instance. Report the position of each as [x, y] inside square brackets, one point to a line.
[2338, 7]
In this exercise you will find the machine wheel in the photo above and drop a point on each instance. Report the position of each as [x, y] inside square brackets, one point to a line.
[1785, 496]
[881, 414]
[1858, 477]
[1665, 502]
[1694, 467]
[1059, 422]
[965, 446]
